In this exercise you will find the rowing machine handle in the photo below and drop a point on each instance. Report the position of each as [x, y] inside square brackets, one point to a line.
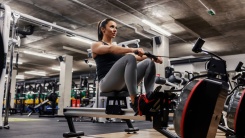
[235, 77]
[148, 54]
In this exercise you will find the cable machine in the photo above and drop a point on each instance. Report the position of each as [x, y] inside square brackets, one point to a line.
[8, 20]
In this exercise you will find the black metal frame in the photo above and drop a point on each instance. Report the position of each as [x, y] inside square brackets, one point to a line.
[117, 99]
[73, 132]
[160, 119]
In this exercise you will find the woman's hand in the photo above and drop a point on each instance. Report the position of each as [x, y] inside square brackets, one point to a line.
[158, 60]
[140, 51]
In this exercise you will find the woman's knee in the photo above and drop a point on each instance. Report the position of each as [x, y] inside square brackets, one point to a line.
[150, 62]
[130, 58]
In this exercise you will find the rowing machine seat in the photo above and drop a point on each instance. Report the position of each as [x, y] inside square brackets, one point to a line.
[115, 94]
[116, 100]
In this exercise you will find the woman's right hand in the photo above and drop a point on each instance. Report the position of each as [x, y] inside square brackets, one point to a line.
[140, 51]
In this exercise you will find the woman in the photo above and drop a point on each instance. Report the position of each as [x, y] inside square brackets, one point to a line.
[117, 68]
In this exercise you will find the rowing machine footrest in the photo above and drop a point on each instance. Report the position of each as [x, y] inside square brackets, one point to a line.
[73, 134]
[114, 109]
[134, 130]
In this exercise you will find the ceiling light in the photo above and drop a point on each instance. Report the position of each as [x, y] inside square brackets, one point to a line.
[58, 68]
[14, 61]
[19, 62]
[38, 73]
[40, 54]
[20, 77]
[75, 50]
[156, 28]
[17, 76]
[82, 39]
[157, 14]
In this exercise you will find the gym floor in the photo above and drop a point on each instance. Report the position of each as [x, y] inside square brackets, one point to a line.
[35, 127]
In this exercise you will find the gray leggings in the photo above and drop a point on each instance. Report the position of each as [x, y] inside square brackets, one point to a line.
[125, 74]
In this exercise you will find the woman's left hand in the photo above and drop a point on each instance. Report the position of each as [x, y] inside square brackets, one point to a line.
[158, 60]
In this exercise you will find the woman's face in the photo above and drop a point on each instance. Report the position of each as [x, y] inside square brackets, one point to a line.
[110, 30]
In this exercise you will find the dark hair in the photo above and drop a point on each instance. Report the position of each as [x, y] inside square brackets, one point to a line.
[102, 23]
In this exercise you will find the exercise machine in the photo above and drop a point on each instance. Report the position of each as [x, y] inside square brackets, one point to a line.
[192, 104]
[7, 25]
[52, 97]
[233, 115]
[11, 43]
[116, 107]
[4, 27]
[200, 104]
[126, 43]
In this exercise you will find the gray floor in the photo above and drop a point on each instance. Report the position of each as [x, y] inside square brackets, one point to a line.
[51, 128]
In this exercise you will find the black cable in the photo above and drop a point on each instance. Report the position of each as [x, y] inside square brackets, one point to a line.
[232, 91]
[229, 81]
[212, 54]
[200, 76]
[17, 60]
[149, 55]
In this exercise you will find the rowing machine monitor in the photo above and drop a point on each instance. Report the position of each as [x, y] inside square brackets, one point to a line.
[239, 67]
[197, 48]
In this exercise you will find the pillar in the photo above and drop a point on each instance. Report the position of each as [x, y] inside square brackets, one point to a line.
[161, 49]
[65, 83]
[12, 88]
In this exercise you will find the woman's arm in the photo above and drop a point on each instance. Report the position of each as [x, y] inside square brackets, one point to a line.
[139, 58]
[99, 48]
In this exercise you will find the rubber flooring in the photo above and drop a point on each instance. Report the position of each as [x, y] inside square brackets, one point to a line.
[34, 127]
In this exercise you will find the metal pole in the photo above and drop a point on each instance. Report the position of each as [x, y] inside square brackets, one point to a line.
[5, 29]
[49, 25]
[9, 80]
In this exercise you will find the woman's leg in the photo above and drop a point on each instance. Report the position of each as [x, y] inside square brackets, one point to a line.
[146, 69]
[122, 73]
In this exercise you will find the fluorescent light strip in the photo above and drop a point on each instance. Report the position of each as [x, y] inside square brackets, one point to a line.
[53, 68]
[82, 39]
[17, 76]
[14, 61]
[75, 50]
[19, 62]
[58, 69]
[36, 73]
[20, 77]
[156, 28]
[40, 54]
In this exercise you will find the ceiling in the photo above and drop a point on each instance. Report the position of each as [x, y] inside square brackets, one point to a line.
[187, 20]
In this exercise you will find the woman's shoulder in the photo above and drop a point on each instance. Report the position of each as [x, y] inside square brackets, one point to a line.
[98, 43]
